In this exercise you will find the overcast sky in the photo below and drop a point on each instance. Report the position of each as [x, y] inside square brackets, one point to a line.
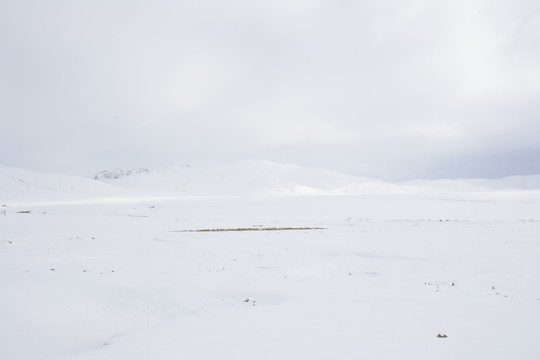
[390, 89]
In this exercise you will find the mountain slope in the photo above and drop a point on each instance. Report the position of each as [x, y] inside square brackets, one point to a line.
[252, 177]
[518, 182]
[241, 178]
[23, 184]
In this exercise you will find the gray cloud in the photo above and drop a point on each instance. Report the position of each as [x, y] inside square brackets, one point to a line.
[381, 88]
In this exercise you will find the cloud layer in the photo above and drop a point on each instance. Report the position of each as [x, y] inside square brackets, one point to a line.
[389, 89]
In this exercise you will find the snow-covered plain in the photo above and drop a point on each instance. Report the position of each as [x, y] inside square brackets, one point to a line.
[90, 270]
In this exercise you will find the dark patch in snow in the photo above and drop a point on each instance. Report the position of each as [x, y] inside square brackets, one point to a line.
[118, 173]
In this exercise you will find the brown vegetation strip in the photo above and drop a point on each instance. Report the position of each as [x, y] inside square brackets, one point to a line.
[252, 229]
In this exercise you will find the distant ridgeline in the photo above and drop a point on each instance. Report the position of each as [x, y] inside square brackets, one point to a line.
[118, 173]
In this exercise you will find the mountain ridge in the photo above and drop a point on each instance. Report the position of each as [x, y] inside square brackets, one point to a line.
[240, 178]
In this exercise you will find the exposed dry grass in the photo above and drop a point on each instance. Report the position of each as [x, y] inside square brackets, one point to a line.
[251, 229]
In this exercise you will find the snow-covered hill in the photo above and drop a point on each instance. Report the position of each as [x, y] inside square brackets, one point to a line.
[20, 184]
[518, 182]
[252, 177]
[521, 182]
[261, 178]
[269, 178]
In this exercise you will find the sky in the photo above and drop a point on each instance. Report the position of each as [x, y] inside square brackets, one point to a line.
[390, 89]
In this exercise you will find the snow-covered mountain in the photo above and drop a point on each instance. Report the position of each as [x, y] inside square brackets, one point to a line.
[252, 177]
[522, 182]
[21, 184]
[518, 182]
[241, 178]
[269, 178]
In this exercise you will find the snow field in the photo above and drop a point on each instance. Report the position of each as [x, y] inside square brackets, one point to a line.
[111, 280]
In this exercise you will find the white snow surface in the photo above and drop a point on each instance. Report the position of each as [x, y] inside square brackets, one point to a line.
[19, 184]
[251, 178]
[91, 271]
[523, 182]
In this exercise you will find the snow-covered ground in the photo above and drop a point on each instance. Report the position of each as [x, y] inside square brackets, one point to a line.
[90, 270]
